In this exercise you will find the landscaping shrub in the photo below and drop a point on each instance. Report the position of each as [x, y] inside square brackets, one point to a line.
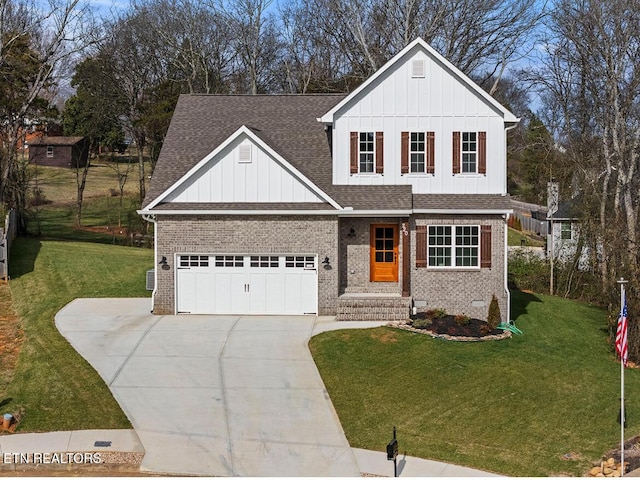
[37, 197]
[437, 313]
[462, 319]
[421, 323]
[493, 318]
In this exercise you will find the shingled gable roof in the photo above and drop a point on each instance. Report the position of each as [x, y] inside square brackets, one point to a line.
[287, 123]
[420, 43]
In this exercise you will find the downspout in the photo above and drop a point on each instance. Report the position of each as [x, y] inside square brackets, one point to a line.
[506, 229]
[152, 219]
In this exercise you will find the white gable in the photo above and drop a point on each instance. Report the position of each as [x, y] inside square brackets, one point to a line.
[244, 171]
[432, 75]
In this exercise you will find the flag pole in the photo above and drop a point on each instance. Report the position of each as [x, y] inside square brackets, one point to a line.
[622, 282]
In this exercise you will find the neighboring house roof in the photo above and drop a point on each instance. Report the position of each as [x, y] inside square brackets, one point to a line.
[508, 117]
[59, 141]
[566, 210]
[287, 123]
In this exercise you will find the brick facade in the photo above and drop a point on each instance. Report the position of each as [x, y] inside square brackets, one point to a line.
[346, 241]
[355, 272]
[461, 291]
[247, 235]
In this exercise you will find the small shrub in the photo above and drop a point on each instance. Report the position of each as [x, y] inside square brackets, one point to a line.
[37, 197]
[493, 318]
[462, 320]
[437, 313]
[485, 329]
[113, 192]
[421, 323]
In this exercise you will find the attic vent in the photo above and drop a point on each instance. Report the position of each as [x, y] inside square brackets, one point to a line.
[417, 69]
[151, 279]
[244, 154]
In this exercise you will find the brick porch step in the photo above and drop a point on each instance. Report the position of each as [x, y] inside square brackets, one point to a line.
[352, 306]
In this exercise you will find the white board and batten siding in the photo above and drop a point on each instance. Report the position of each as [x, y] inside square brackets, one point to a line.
[244, 172]
[439, 102]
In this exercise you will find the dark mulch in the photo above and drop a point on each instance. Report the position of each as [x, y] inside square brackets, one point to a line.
[447, 325]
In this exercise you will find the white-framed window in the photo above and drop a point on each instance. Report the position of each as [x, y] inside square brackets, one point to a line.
[453, 246]
[366, 152]
[417, 152]
[565, 230]
[49, 151]
[469, 152]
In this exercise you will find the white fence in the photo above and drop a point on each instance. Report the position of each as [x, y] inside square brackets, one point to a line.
[7, 234]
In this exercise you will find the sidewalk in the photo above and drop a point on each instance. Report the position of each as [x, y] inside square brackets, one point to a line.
[28, 451]
[73, 450]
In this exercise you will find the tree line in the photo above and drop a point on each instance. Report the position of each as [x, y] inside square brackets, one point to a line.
[567, 68]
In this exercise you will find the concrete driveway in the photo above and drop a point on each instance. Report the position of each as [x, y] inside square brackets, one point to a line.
[213, 395]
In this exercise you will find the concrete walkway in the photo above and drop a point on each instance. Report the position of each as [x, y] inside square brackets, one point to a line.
[223, 395]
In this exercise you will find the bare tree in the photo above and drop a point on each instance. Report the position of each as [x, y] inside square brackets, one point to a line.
[475, 36]
[38, 43]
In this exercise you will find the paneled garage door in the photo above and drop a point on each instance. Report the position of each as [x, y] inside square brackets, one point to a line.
[247, 284]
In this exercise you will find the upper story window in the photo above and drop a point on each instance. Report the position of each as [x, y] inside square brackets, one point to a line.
[417, 151]
[366, 152]
[469, 152]
[49, 151]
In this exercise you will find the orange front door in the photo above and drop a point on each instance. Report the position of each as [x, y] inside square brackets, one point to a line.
[384, 253]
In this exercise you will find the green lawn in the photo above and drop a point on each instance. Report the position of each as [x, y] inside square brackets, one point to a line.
[53, 386]
[513, 407]
[515, 238]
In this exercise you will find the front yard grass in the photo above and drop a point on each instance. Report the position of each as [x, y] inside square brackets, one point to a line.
[513, 407]
[53, 386]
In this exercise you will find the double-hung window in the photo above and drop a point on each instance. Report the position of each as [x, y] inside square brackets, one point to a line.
[453, 246]
[367, 152]
[565, 231]
[469, 152]
[417, 152]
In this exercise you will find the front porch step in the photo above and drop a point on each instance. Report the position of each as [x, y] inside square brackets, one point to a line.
[373, 307]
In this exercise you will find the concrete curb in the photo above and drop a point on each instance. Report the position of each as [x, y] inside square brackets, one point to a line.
[79, 450]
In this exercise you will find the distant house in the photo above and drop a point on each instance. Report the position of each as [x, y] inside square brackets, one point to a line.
[563, 239]
[59, 151]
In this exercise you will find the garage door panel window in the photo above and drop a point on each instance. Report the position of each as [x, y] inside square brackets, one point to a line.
[300, 262]
[265, 261]
[229, 261]
[194, 260]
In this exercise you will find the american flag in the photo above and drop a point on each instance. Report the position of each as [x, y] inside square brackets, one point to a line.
[622, 347]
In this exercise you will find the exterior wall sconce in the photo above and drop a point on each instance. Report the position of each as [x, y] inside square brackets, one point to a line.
[163, 263]
[352, 233]
[326, 264]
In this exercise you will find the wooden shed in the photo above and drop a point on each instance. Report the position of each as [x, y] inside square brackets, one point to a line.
[59, 151]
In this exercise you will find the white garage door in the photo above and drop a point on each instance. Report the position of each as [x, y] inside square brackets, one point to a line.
[247, 284]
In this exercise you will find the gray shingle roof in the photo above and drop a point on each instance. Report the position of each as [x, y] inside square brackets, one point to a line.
[287, 123]
[243, 206]
[461, 202]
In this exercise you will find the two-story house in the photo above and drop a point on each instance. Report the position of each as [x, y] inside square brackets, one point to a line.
[361, 206]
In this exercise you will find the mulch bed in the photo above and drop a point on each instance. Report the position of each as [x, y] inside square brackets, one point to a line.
[447, 325]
